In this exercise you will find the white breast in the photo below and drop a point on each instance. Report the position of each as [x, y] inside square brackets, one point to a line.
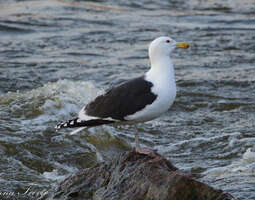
[164, 87]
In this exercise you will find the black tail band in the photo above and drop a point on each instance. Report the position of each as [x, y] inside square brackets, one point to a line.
[79, 123]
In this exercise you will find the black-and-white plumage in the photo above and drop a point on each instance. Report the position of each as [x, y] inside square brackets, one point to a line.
[115, 105]
[138, 100]
[121, 101]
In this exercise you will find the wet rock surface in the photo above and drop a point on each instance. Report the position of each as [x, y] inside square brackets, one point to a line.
[132, 176]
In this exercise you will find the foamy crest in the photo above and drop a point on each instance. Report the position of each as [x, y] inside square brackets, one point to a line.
[244, 166]
[54, 176]
[53, 102]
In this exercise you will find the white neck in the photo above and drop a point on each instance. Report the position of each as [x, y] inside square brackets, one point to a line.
[161, 75]
[162, 69]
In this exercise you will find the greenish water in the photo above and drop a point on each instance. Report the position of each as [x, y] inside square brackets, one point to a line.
[57, 55]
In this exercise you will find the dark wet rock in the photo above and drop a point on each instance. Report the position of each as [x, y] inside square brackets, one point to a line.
[132, 176]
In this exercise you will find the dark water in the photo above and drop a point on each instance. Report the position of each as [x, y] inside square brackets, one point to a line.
[56, 55]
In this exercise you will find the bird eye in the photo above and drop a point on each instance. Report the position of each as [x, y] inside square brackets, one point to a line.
[168, 41]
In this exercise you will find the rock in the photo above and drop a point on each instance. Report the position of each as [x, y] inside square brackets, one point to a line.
[133, 176]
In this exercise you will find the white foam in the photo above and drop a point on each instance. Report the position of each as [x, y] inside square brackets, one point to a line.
[53, 102]
[249, 156]
[244, 166]
[54, 176]
[68, 96]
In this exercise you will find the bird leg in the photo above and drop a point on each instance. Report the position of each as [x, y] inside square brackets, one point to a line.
[146, 151]
[137, 146]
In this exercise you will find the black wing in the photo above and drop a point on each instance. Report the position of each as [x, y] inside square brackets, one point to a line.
[123, 100]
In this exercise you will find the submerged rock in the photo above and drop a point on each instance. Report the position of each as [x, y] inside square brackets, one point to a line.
[132, 176]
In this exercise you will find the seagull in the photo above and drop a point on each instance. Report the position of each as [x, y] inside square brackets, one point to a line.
[138, 100]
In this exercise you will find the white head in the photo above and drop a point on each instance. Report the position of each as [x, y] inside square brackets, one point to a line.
[163, 47]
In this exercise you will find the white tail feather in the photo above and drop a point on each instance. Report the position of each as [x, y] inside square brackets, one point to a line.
[77, 130]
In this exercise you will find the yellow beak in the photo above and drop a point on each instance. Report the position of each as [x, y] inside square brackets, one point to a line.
[184, 45]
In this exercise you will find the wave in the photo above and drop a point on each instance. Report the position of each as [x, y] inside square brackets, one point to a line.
[244, 166]
[41, 107]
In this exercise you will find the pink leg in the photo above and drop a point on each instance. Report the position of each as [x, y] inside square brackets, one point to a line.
[146, 151]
